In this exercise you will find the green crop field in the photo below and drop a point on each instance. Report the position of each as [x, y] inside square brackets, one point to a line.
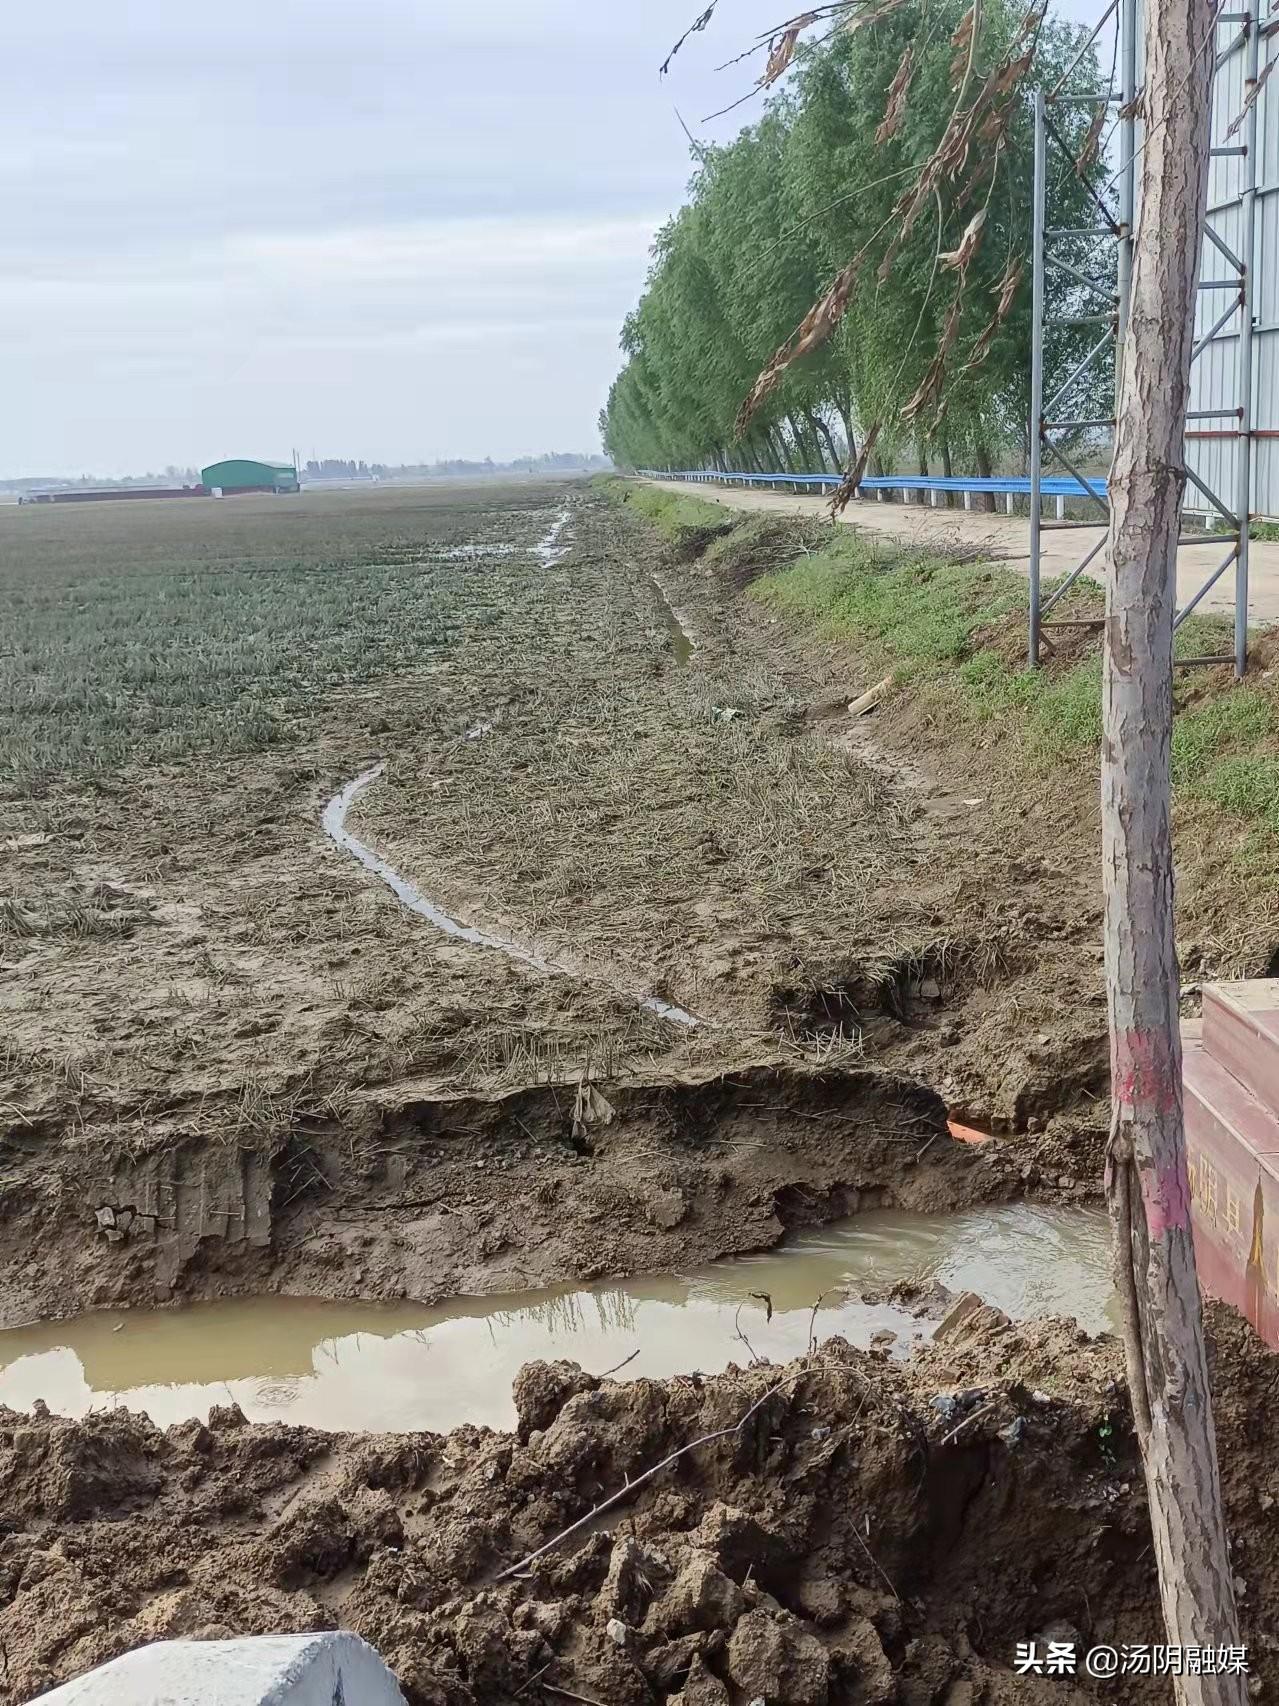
[142, 632]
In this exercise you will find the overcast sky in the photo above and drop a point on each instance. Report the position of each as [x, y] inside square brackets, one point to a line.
[390, 229]
[395, 229]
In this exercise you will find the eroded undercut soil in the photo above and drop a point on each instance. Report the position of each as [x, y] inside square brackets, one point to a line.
[236, 1062]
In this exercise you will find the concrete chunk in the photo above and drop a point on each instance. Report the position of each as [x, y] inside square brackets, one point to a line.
[330, 1669]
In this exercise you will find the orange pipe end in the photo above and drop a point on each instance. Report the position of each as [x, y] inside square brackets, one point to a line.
[967, 1133]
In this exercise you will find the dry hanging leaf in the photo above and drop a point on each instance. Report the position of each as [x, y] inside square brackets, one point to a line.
[781, 50]
[928, 392]
[847, 487]
[1007, 288]
[898, 89]
[907, 209]
[1092, 144]
[816, 327]
[1250, 97]
[1009, 74]
[958, 259]
[947, 160]
[872, 14]
[962, 42]
[928, 395]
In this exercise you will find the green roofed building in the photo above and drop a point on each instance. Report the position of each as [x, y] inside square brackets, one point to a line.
[241, 475]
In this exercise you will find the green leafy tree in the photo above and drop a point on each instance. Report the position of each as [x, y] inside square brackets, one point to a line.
[773, 216]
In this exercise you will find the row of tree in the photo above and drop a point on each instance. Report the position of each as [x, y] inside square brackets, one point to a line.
[774, 215]
[549, 462]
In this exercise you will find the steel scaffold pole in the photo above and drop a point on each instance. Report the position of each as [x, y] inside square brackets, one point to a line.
[1247, 221]
[1038, 220]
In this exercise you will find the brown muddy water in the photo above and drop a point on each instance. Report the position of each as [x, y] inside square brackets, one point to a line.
[408, 1366]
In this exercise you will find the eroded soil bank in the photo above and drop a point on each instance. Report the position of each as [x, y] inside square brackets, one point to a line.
[851, 1531]
[236, 1062]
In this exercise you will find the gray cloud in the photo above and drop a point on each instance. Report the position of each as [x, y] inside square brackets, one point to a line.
[384, 228]
[396, 229]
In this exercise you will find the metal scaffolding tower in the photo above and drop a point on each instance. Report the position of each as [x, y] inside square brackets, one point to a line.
[1233, 63]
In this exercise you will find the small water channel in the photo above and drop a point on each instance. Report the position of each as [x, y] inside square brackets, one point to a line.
[405, 1366]
[549, 548]
[681, 643]
[333, 823]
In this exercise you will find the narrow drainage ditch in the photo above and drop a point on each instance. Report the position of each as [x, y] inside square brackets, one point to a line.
[549, 548]
[681, 642]
[360, 1366]
[333, 822]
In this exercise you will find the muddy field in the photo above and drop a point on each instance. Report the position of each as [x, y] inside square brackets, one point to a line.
[448, 891]
[234, 1060]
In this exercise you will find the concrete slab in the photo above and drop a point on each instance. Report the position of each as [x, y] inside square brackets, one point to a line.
[1007, 539]
[334, 1668]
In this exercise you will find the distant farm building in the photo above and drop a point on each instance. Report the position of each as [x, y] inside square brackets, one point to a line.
[240, 475]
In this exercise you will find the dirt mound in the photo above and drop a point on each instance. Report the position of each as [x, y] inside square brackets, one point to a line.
[843, 1529]
[690, 543]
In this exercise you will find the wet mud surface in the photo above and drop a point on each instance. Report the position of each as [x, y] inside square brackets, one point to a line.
[235, 1060]
[353, 1364]
[236, 1064]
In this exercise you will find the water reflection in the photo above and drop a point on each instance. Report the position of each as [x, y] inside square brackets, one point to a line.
[680, 641]
[366, 1365]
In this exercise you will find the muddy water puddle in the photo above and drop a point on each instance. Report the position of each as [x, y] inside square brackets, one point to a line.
[404, 1366]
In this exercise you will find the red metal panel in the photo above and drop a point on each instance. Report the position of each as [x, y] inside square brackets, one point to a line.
[1241, 1033]
[1232, 1147]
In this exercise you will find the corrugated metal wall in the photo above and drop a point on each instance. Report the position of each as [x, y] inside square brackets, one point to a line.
[1215, 375]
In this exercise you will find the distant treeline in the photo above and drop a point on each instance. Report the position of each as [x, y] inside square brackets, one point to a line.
[172, 476]
[552, 462]
[933, 350]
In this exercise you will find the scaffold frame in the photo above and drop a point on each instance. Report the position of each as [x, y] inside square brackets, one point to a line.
[1051, 421]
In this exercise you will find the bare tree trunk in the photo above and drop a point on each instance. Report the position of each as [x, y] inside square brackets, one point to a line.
[984, 500]
[803, 450]
[844, 404]
[828, 438]
[1147, 1186]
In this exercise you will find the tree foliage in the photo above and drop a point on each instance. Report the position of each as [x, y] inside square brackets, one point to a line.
[922, 323]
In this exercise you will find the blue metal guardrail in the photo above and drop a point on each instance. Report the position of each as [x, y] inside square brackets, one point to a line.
[1014, 485]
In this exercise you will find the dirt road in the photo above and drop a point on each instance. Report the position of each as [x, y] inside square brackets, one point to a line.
[1008, 538]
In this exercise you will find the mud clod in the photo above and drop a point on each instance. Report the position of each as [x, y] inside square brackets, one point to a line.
[541, 1391]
